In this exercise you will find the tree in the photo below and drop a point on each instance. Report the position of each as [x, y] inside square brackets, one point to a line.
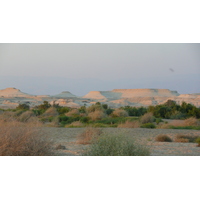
[23, 107]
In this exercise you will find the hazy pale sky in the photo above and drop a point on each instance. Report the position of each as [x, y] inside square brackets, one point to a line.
[80, 68]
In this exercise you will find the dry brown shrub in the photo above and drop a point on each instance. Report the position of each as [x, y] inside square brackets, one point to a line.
[89, 135]
[50, 112]
[163, 126]
[97, 115]
[192, 121]
[163, 138]
[94, 107]
[23, 139]
[119, 113]
[25, 116]
[75, 124]
[129, 124]
[185, 138]
[147, 118]
[72, 112]
[176, 123]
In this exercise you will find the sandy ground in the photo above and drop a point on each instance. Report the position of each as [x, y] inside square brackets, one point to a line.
[67, 138]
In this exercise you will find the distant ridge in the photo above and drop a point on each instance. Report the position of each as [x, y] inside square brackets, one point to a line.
[64, 94]
[130, 93]
[114, 98]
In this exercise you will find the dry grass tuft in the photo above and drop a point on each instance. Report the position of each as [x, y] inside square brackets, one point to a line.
[89, 135]
[185, 138]
[129, 124]
[163, 138]
[23, 139]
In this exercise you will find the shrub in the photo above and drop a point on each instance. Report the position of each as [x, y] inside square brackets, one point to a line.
[129, 124]
[23, 107]
[24, 117]
[119, 113]
[147, 118]
[50, 112]
[198, 141]
[97, 115]
[115, 145]
[158, 120]
[95, 107]
[148, 125]
[75, 124]
[23, 139]
[192, 121]
[84, 119]
[185, 138]
[72, 113]
[89, 135]
[163, 138]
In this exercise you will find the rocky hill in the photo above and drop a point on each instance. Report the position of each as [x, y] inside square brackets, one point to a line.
[11, 97]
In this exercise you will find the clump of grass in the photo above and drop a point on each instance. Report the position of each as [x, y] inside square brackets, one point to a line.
[116, 145]
[23, 139]
[185, 138]
[163, 138]
[147, 118]
[129, 124]
[89, 135]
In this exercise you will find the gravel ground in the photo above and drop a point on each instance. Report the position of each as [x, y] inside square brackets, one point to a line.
[67, 138]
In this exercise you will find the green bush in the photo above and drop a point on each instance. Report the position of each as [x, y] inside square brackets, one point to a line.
[158, 120]
[84, 119]
[116, 145]
[148, 125]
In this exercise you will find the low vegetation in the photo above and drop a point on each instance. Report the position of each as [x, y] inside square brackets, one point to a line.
[185, 116]
[115, 145]
[163, 138]
[89, 135]
[185, 138]
[23, 139]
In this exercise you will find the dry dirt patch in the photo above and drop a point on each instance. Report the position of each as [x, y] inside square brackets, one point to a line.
[68, 138]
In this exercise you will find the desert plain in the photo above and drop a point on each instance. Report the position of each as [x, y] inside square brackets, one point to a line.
[66, 137]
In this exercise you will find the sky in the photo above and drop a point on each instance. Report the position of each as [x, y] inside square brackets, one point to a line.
[42, 68]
